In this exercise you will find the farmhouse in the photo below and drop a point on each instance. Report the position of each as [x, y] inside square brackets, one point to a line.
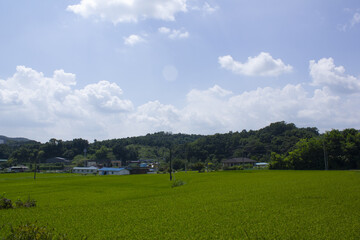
[103, 163]
[18, 168]
[238, 162]
[85, 170]
[113, 171]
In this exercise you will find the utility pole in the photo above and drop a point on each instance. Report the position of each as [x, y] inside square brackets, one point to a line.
[170, 165]
[35, 167]
[325, 156]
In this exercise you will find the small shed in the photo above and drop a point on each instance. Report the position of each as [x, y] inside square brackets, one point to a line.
[85, 170]
[113, 171]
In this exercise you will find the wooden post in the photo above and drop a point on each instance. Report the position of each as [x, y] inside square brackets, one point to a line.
[325, 156]
[170, 166]
[35, 169]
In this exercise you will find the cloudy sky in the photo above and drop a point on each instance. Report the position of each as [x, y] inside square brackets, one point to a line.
[101, 69]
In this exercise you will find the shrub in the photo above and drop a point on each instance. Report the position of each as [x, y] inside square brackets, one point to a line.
[30, 202]
[177, 183]
[27, 203]
[30, 231]
[19, 203]
[234, 168]
[5, 203]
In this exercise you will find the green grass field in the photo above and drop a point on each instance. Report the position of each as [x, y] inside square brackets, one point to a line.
[219, 205]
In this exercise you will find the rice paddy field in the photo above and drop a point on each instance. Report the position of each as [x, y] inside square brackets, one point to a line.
[258, 204]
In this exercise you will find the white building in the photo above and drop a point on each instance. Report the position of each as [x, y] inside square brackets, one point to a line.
[262, 165]
[85, 170]
[19, 169]
[114, 171]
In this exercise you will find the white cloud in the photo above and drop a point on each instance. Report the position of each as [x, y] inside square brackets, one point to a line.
[35, 106]
[325, 73]
[206, 8]
[118, 11]
[355, 19]
[155, 116]
[174, 33]
[351, 23]
[262, 65]
[164, 30]
[133, 40]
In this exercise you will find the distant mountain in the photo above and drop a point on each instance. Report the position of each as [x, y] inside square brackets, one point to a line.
[15, 141]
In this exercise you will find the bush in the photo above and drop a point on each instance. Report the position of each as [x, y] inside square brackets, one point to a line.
[5, 203]
[30, 231]
[234, 168]
[177, 183]
[28, 203]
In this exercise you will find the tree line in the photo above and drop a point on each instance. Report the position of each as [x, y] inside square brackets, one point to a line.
[283, 144]
[333, 150]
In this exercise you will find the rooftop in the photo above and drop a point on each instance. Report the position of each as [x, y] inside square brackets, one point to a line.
[239, 160]
[111, 169]
[85, 168]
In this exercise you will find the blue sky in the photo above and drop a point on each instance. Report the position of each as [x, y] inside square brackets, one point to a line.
[108, 69]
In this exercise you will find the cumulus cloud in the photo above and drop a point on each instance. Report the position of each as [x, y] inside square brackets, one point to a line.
[36, 106]
[262, 65]
[51, 106]
[118, 11]
[174, 33]
[133, 40]
[325, 73]
[157, 116]
[219, 110]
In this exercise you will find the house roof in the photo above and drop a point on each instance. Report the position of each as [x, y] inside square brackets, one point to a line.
[85, 168]
[239, 160]
[112, 169]
[19, 167]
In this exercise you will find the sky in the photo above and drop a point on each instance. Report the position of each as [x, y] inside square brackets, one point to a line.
[104, 69]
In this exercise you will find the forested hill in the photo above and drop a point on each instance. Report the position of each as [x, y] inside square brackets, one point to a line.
[159, 139]
[14, 141]
[278, 137]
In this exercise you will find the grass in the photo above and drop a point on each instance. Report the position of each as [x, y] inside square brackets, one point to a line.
[218, 205]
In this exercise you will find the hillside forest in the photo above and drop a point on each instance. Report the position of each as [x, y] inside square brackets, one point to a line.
[282, 144]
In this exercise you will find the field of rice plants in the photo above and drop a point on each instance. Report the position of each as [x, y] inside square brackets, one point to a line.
[258, 204]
